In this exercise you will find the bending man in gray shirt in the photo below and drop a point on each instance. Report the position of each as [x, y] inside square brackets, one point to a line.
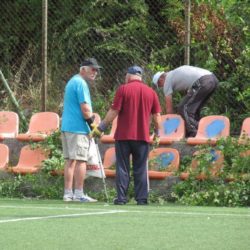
[198, 83]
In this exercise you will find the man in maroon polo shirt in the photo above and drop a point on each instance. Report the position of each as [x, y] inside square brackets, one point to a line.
[134, 103]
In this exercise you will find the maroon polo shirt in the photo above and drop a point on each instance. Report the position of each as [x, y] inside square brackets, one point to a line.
[135, 102]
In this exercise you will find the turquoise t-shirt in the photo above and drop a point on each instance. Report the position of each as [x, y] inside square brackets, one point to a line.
[76, 93]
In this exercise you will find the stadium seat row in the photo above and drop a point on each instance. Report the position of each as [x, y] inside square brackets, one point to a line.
[41, 125]
[30, 159]
[210, 129]
[162, 162]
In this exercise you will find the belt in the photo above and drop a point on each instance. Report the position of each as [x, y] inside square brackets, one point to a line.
[196, 84]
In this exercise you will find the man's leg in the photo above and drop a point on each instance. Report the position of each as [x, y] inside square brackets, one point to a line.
[140, 151]
[191, 124]
[122, 149]
[68, 180]
[79, 177]
[69, 168]
[79, 174]
[212, 82]
[81, 155]
[197, 97]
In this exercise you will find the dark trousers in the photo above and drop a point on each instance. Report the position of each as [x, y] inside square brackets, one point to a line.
[190, 106]
[139, 151]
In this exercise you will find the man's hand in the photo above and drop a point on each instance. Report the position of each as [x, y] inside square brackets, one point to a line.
[156, 141]
[97, 130]
[156, 138]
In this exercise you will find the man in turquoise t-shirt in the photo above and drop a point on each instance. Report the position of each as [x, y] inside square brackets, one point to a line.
[76, 119]
[76, 93]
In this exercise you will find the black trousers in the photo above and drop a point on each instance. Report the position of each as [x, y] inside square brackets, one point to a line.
[139, 151]
[190, 106]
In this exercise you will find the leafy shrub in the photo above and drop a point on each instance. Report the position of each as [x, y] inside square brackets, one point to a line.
[232, 185]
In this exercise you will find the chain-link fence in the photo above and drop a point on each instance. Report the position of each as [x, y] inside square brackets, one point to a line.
[118, 33]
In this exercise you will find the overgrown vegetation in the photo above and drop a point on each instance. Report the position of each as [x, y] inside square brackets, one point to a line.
[120, 33]
[230, 186]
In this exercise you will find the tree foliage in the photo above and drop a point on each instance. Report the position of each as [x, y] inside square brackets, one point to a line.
[124, 32]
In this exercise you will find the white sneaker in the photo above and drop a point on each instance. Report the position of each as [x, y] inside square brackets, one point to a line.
[84, 198]
[90, 199]
[67, 198]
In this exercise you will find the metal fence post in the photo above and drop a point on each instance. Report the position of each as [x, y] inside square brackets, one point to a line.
[44, 54]
[187, 32]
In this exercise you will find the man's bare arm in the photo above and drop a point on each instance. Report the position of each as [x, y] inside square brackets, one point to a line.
[110, 116]
[157, 121]
[169, 104]
[86, 111]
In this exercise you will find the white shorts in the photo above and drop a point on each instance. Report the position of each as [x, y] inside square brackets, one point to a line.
[79, 147]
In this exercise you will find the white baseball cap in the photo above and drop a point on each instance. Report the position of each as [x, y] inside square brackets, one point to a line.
[156, 77]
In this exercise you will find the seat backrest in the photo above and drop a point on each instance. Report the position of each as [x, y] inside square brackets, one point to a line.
[164, 159]
[9, 124]
[109, 157]
[213, 126]
[4, 156]
[245, 153]
[109, 138]
[44, 122]
[245, 128]
[215, 163]
[31, 157]
[172, 125]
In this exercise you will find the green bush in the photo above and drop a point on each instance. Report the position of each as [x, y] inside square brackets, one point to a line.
[231, 187]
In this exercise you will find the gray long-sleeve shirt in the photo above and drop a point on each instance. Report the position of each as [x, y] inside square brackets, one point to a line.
[182, 78]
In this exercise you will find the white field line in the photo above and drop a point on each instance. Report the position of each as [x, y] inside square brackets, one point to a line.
[130, 211]
[54, 208]
[196, 213]
[61, 216]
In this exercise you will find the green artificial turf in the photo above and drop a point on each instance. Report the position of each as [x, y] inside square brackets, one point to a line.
[33, 224]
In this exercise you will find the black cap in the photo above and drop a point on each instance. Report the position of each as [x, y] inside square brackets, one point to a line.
[91, 62]
[135, 70]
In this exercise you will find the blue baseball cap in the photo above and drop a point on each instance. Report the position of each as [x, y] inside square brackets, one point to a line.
[135, 70]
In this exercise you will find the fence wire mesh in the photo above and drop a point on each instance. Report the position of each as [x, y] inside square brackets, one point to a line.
[118, 33]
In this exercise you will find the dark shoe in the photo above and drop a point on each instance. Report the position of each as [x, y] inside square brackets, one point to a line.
[119, 202]
[142, 203]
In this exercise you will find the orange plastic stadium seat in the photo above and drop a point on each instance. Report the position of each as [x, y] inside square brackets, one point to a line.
[172, 129]
[30, 160]
[210, 129]
[110, 138]
[245, 132]
[4, 156]
[9, 124]
[41, 125]
[163, 162]
[109, 162]
[216, 163]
